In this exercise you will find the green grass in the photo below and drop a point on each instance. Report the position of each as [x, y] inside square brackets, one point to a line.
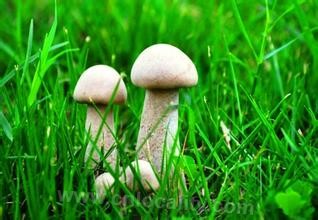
[257, 63]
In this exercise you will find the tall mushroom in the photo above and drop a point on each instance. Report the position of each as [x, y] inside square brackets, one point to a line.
[97, 86]
[161, 69]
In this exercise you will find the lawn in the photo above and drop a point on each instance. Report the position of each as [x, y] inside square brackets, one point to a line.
[248, 130]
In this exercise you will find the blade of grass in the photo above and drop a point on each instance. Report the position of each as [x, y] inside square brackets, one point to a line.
[28, 53]
[287, 11]
[279, 49]
[219, 198]
[242, 27]
[18, 30]
[233, 74]
[277, 73]
[7, 78]
[9, 51]
[17, 196]
[32, 58]
[192, 138]
[42, 65]
[265, 122]
[6, 126]
[265, 34]
[290, 142]
[208, 143]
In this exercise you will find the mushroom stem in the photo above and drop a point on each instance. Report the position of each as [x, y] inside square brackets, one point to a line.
[158, 127]
[105, 141]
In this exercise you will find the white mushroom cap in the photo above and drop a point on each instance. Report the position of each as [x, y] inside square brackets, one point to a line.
[145, 174]
[97, 85]
[163, 66]
[103, 183]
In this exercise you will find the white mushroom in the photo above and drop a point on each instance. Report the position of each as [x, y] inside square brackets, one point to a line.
[102, 184]
[161, 69]
[97, 85]
[146, 176]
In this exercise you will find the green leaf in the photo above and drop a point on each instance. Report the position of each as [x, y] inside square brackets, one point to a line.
[296, 200]
[6, 126]
[290, 202]
[303, 188]
[189, 166]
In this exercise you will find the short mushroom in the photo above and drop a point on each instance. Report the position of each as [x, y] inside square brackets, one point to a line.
[102, 184]
[161, 69]
[97, 86]
[148, 178]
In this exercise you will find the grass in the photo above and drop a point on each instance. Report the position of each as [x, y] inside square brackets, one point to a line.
[257, 63]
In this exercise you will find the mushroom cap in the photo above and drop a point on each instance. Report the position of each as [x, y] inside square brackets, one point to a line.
[146, 174]
[97, 85]
[103, 183]
[163, 66]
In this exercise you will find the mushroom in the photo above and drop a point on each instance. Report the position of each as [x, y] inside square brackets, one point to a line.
[146, 173]
[161, 69]
[102, 184]
[97, 87]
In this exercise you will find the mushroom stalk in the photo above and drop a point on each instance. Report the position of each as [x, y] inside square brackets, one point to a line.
[158, 127]
[105, 141]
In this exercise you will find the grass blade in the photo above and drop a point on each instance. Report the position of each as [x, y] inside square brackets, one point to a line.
[8, 50]
[234, 79]
[242, 27]
[277, 50]
[28, 53]
[42, 65]
[7, 78]
[265, 34]
[6, 126]
[31, 59]
[265, 121]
